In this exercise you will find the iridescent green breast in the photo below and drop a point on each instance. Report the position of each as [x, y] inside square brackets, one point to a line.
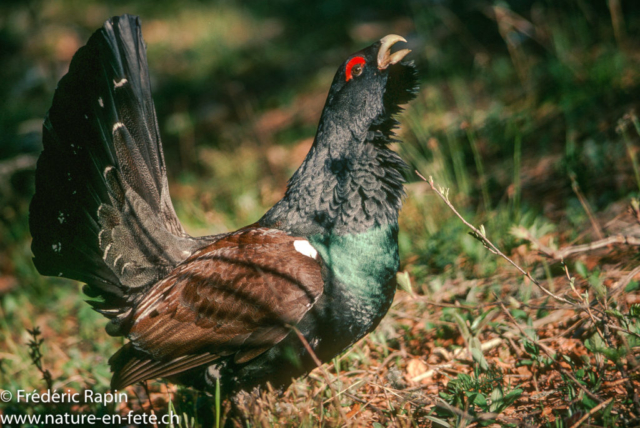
[362, 270]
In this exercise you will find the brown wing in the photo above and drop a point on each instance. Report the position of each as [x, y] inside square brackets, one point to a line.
[234, 297]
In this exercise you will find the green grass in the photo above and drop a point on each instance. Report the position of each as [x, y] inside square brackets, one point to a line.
[517, 102]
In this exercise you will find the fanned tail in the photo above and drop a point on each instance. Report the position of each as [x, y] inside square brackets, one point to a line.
[102, 212]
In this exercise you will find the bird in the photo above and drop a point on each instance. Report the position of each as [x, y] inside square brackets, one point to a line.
[238, 310]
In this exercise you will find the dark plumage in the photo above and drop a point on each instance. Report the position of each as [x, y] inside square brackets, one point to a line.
[322, 260]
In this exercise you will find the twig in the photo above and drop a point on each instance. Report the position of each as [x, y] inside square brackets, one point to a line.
[145, 384]
[634, 205]
[586, 305]
[380, 411]
[615, 239]
[488, 244]
[573, 249]
[624, 282]
[565, 332]
[624, 330]
[465, 415]
[324, 373]
[591, 412]
[585, 205]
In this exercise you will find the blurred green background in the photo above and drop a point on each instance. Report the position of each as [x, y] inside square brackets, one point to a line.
[520, 101]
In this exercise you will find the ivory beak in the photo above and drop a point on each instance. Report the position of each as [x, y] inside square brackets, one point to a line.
[385, 57]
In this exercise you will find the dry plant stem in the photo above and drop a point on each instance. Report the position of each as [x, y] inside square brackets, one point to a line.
[615, 239]
[624, 282]
[405, 397]
[489, 244]
[624, 330]
[465, 415]
[584, 302]
[546, 351]
[591, 412]
[585, 205]
[366, 403]
[567, 251]
[324, 374]
[564, 333]
[146, 390]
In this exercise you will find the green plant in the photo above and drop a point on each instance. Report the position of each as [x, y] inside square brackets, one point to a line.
[482, 392]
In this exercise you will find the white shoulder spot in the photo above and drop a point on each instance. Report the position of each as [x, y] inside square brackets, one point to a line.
[303, 247]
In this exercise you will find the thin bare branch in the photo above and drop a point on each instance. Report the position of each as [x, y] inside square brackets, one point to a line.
[488, 244]
[591, 412]
[585, 205]
[613, 293]
[574, 249]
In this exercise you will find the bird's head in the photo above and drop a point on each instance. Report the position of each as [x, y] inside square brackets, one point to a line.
[350, 180]
[369, 88]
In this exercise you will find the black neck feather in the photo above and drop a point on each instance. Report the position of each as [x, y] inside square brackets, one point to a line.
[350, 181]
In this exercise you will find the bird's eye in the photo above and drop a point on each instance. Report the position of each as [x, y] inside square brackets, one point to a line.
[354, 67]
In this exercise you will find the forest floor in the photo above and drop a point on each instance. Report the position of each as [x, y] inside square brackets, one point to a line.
[526, 125]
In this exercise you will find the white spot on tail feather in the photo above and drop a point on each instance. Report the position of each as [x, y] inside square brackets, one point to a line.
[61, 217]
[303, 247]
[120, 83]
[117, 126]
[106, 252]
[124, 266]
[57, 247]
[100, 102]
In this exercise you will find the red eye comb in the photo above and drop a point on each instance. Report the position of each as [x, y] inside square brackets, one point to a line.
[353, 62]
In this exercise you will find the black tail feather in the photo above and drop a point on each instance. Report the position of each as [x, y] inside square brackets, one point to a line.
[102, 212]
